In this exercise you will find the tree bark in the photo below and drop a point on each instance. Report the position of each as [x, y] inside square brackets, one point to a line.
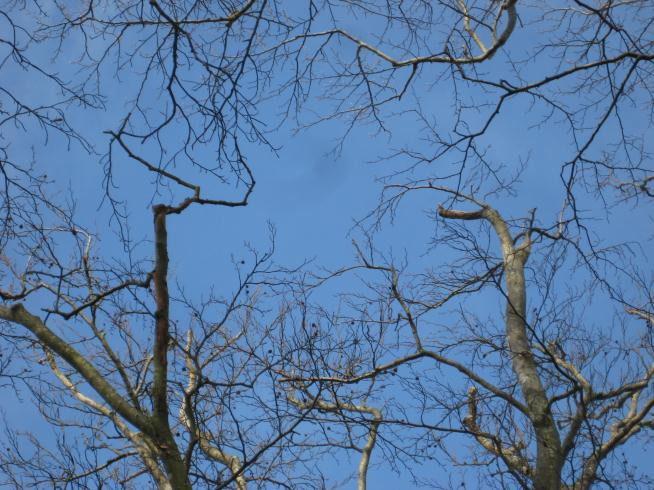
[549, 455]
[164, 437]
[549, 460]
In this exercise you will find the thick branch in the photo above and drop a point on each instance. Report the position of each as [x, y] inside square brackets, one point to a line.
[165, 440]
[549, 458]
[18, 314]
[511, 455]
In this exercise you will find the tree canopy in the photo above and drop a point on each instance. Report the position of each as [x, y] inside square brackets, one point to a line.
[491, 326]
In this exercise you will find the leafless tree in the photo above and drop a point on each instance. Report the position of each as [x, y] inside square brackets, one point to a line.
[259, 386]
[156, 387]
[554, 389]
[548, 397]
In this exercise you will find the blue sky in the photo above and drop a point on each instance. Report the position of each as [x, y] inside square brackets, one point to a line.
[313, 195]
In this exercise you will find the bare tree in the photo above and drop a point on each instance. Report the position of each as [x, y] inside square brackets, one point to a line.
[262, 385]
[157, 387]
[552, 391]
[548, 396]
